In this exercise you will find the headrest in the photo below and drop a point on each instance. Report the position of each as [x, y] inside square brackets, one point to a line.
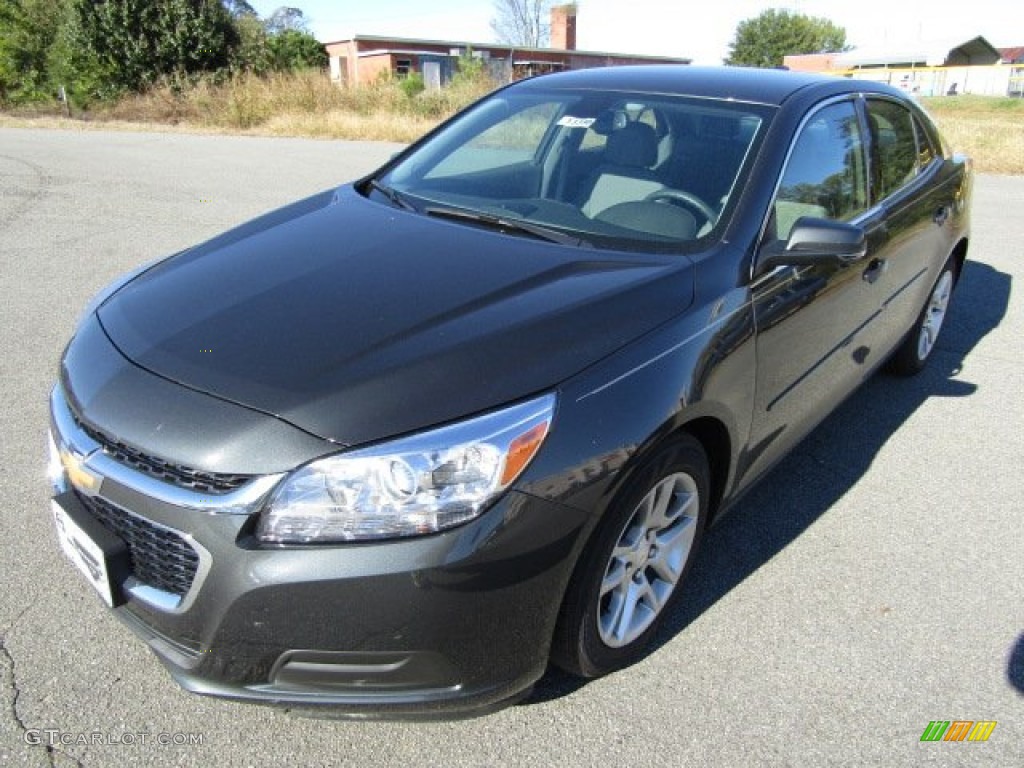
[635, 146]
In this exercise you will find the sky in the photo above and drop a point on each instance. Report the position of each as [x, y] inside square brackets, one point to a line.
[670, 27]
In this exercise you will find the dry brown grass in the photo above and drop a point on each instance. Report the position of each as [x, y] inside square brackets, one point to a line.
[990, 130]
[341, 124]
[295, 104]
[303, 103]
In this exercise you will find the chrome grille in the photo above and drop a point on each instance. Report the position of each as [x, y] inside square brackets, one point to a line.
[166, 471]
[159, 557]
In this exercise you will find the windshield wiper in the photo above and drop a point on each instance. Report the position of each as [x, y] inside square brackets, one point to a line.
[393, 195]
[502, 224]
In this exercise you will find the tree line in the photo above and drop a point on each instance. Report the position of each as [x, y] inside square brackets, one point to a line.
[100, 49]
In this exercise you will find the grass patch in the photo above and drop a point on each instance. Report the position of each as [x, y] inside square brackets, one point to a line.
[288, 104]
[989, 129]
[342, 124]
[308, 101]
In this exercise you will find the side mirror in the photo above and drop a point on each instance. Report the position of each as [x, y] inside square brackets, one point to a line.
[815, 241]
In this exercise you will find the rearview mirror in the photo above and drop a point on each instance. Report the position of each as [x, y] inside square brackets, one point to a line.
[815, 241]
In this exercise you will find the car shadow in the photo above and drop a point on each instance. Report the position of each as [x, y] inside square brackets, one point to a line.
[826, 464]
[1015, 667]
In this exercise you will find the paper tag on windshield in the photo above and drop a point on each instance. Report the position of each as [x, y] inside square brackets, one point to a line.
[576, 122]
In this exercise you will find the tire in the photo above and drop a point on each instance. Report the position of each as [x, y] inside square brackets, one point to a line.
[631, 572]
[916, 348]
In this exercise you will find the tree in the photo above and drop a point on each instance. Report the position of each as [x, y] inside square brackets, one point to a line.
[522, 22]
[74, 66]
[279, 43]
[286, 18]
[137, 42]
[251, 54]
[763, 40]
[28, 29]
[240, 9]
[293, 49]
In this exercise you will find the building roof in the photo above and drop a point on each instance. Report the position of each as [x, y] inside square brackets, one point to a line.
[411, 43]
[937, 53]
[1012, 55]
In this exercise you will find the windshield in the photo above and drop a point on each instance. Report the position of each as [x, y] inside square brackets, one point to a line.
[608, 169]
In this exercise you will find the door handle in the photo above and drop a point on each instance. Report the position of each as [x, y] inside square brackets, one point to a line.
[875, 269]
[941, 215]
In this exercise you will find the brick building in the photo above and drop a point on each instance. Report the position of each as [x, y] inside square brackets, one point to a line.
[365, 58]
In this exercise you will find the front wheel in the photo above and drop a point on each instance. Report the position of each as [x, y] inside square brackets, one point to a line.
[913, 353]
[631, 573]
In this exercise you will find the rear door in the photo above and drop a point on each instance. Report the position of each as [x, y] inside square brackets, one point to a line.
[905, 169]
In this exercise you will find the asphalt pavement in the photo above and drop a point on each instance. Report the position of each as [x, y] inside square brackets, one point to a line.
[872, 584]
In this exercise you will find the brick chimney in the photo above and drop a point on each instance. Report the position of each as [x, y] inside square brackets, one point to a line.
[563, 27]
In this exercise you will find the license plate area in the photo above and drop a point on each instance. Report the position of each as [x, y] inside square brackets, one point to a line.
[101, 556]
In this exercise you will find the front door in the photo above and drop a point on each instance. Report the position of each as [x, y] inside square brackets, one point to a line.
[815, 324]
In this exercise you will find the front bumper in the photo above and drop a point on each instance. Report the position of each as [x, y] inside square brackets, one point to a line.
[451, 623]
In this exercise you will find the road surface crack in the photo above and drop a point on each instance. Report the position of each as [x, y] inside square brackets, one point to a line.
[51, 752]
[14, 686]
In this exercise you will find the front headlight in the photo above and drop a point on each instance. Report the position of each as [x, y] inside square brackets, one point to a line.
[414, 485]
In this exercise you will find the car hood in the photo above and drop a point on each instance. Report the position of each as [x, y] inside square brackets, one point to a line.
[356, 321]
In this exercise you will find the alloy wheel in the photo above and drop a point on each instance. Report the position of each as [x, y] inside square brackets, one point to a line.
[648, 559]
[934, 315]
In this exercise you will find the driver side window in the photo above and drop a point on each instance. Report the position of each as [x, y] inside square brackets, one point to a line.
[825, 175]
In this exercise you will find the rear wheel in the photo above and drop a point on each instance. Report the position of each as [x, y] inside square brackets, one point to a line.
[631, 573]
[913, 353]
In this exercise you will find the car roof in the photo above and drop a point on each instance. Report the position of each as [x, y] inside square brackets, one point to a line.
[762, 86]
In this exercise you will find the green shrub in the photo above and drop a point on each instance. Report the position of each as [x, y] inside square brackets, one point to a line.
[412, 85]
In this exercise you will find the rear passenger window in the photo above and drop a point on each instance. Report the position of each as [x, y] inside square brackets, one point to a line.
[925, 151]
[825, 175]
[895, 153]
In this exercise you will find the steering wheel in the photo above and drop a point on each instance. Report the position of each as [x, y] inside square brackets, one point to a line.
[687, 199]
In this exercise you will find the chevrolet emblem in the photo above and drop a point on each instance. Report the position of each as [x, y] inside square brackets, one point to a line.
[79, 475]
